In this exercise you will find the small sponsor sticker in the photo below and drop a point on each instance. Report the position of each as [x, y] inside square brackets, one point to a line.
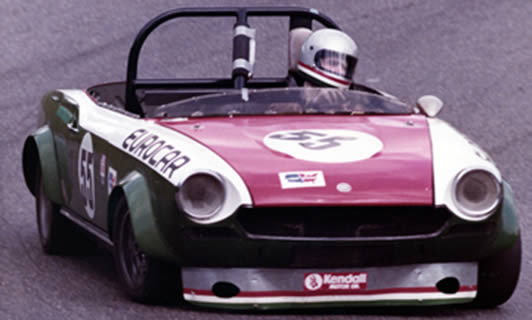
[102, 169]
[111, 179]
[335, 281]
[301, 179]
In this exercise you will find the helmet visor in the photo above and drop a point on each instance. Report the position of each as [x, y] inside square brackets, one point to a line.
[335, 62]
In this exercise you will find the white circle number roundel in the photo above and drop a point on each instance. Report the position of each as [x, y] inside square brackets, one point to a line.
[324, 145]
[86, 174]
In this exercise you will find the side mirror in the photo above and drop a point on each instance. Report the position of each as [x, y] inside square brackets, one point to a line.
[430, 105]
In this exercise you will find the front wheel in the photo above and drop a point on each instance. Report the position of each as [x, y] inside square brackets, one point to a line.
[498, 276]
[143, 278]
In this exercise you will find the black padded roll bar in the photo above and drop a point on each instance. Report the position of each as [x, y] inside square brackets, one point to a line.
[298, 16]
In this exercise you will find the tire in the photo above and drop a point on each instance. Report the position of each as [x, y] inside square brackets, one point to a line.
[52, 226]
[498, 276]
[143, 278]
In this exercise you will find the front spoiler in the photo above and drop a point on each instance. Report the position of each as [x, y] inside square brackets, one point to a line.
[407, 285]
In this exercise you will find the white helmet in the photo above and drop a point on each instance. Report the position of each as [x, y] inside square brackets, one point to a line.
[328, 58]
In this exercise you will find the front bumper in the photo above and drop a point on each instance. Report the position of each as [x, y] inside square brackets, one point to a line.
[276, 288]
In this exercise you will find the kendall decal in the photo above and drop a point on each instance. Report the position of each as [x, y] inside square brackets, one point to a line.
[155, 152]
[335, 281]
[324, 145]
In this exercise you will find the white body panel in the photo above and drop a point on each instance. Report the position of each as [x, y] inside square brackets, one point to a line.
[116, 128]
[453, 153]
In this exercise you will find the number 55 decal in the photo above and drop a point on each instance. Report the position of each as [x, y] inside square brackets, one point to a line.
[324, 145]
[315, 140]
[86, 174]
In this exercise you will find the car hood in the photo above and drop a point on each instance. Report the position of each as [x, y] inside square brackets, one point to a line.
[322, 160]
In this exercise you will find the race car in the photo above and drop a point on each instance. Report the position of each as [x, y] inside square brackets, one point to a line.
[255, 193]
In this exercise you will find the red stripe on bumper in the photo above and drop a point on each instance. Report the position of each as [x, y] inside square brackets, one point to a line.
[256, 294]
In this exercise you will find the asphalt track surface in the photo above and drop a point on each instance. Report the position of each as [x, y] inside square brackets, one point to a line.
[476, 55]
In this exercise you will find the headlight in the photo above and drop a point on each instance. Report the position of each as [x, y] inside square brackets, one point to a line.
[476, 194]
[201, 195]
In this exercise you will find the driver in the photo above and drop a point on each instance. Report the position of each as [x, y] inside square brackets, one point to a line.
[328, 58]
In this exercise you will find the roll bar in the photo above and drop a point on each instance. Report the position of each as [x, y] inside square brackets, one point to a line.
[242, 44]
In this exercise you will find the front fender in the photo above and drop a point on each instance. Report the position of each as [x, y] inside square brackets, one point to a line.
[509, 232]
[147, 234]
[39, 154]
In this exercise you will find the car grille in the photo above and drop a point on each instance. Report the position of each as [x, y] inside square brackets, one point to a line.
[340, 222]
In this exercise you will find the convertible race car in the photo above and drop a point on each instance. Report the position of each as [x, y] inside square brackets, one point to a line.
[248, 192]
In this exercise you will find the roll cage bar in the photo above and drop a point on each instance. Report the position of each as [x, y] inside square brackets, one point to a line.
[242, 46]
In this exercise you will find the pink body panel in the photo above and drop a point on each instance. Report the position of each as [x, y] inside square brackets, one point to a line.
[399, 174]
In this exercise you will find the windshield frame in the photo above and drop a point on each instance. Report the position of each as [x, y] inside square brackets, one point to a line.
[284, 101]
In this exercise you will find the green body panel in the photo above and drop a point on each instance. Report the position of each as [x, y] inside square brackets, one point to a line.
[509, 231]
[44, 142]
[147, 233]
[51, 147]
[149, 196]
[60, 113]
